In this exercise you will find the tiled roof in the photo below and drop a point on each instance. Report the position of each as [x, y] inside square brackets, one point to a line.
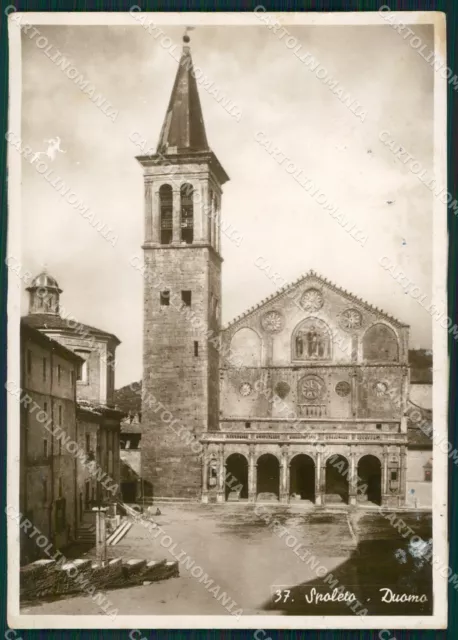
[41, 338]
[50, 321]
[183, 129]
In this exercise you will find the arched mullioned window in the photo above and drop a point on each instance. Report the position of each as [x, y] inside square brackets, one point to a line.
[187, 213]
[166, 212]
[311, 340]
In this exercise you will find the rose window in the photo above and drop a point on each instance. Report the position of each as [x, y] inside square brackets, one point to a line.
[350, 319]
[245, 389]
[312, 300]
[272, 322]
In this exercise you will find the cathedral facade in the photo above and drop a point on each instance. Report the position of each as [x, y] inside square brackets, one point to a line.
[303, 398]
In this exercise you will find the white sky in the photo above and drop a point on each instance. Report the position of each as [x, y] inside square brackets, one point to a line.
[277, 219]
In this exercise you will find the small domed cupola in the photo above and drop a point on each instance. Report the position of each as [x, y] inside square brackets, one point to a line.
[44, 294]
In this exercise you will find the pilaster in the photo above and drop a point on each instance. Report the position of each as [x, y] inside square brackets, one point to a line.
[148, 212]
[155, 216]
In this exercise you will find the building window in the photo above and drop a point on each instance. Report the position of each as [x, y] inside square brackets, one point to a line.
[196, 348]
[45, 365]
[83, 367]
[379, 426]
[45, 491]
[29, 361]
[166, 213]
[58, 373]
[45, 407]
[45, 448]
[60, 487]
[187, 213]
[60, 447]
[60, 415]
[247, 425]
[186, 298]
[165, 298]
[72, 377]
[428, 469]
[61, 523]
[394, 475]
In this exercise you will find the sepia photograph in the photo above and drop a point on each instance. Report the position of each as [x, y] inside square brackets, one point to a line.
[227, 321]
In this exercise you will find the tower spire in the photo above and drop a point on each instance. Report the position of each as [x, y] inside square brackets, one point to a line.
[183, 129]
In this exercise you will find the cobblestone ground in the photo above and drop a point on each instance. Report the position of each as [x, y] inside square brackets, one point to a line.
[235, 548]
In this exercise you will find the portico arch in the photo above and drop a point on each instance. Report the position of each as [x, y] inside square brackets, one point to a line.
[337, 479]
[370, 479]
[236, 481]
[268, 475]
[302, 477]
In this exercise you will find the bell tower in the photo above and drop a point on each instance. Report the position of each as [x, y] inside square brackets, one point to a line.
[182, 292]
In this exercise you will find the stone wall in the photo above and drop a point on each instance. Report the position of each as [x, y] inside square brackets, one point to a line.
[174, 373]
[50, 578]
[337, 395]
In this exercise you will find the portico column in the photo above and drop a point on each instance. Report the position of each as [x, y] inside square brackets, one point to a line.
[403, 477]
[385, 475]
[221, 476]
[284, 482]
[323, 480]
[318, 471]
[176, 235]
[205, 476]
[353, 482]
[251, 476]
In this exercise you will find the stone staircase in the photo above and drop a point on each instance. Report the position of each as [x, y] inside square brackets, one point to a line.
[85, 534]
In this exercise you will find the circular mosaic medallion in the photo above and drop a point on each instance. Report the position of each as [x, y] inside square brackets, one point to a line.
[351, 319]
[312, 300]
[272, 322]
[380, 388]
[343, 388]
[311, 388]
[282, 389]
[245, 389]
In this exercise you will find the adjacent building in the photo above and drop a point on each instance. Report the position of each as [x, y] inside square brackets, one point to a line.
[47, 470]
[95, 421]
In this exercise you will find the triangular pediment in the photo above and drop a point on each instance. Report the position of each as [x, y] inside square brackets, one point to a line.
[311, 280]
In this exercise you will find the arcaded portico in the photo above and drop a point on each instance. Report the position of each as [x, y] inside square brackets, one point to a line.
[268, 466]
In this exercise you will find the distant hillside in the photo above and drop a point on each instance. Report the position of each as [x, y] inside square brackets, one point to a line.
[421, 366]
[128, 398]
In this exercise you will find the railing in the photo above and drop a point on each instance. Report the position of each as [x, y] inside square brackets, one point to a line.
[313, 410]
[282, 437]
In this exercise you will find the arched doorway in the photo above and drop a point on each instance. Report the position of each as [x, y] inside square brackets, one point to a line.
[370, 479]
[236, 481]
[337, 479]
[302, 477]
[268, 476]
